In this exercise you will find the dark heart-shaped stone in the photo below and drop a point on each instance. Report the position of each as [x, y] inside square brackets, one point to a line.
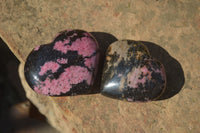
[130, 73]
[67, 66]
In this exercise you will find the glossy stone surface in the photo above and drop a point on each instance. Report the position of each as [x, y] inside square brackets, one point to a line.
[67, 66]
[130, 73]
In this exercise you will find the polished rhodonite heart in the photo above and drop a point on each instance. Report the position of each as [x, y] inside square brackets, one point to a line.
[67, 66]
[130, 73]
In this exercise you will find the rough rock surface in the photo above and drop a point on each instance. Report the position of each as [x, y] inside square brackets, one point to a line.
[174, 25]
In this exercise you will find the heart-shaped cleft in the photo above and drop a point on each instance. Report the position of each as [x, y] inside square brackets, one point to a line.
[67, 66]
[131, 74]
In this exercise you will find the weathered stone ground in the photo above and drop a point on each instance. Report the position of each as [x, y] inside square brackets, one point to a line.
[172, 25]
[17, 114]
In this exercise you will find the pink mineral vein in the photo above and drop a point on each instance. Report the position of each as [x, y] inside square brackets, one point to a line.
[71, 75]
[62, 61]
[134, 77]
[119, 75]
[90, 62]
[130, 99]
[161, 70]
[84, 46]
[86, 34]
[53, 66]
[75, 34]
[60, 46]
[144, 70]
[36, 48]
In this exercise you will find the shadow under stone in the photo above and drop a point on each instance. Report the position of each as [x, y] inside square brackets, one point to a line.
[174, 72]
[104, 40]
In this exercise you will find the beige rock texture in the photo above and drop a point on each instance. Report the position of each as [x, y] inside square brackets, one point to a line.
[172, 25]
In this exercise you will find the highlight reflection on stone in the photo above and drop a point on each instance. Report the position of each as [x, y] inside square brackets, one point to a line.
[67, 66]
[130, 73]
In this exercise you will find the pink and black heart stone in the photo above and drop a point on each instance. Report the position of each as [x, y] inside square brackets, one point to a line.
[66, 66]
[131, 74]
